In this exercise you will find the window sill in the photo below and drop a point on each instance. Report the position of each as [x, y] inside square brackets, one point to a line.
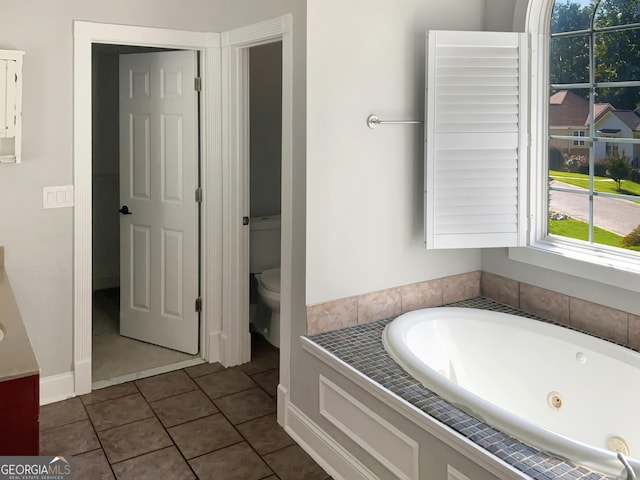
[590, 263]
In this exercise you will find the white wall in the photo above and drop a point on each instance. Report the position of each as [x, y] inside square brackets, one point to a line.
[38, 243]
[365, 187]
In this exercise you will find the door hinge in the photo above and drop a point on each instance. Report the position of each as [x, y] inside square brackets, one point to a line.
[199, 195]
[199, 304]
[197, 84]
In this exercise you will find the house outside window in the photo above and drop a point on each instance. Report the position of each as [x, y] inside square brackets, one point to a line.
[594, 68]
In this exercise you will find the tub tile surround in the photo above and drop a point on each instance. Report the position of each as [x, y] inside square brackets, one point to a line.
[369, 307]
[605, 322]
[500, 289]
[592, 318]
[422, 295]
[545, 303]
[460, 287]
[361, 348]
[602, 321]
[377, 305]
[332, 315]
[634, 332]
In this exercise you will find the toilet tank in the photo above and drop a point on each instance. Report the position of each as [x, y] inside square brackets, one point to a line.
[264, 243]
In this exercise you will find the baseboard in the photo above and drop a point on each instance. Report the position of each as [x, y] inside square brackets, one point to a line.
[57, 387]
[327, 453]
[283, 403]
[213, 348]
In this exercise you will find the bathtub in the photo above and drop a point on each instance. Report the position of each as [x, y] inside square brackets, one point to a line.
[561, 391]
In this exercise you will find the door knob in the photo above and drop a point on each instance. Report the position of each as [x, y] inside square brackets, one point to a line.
[125, 210]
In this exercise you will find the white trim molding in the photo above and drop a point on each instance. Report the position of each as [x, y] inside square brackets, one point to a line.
[85, 34]
[57, 387]
[391, 447]
[235, 339]
[329, 454]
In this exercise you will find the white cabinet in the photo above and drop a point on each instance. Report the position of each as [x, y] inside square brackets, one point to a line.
[10, 105]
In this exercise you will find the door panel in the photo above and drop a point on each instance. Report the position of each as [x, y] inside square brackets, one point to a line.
[172, 160]
[158, 178]
[140, 268]
[139, 155]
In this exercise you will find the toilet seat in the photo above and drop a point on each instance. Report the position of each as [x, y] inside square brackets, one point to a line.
[270, 280]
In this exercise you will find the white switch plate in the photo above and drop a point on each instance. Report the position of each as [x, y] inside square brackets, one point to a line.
[57, 197]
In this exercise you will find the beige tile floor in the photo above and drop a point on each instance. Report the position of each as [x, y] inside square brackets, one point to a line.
[202, 422]
[114, 355]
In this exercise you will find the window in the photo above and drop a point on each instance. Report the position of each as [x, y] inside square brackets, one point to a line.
[580, 78]
[594, 81]
[587, 259]
[612, 150]
[578, 133]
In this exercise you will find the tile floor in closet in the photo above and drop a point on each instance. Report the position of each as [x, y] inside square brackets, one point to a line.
[203, 422]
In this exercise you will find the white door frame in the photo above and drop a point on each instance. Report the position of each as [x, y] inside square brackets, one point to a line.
[208, 44]
[236, 342]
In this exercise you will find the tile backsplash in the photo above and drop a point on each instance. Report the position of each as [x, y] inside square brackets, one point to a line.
[615, 325]
[372, 306]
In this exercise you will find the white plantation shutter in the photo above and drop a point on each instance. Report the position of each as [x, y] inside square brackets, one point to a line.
[476, 139]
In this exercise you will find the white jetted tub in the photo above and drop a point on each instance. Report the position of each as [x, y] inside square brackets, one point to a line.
[561, 391]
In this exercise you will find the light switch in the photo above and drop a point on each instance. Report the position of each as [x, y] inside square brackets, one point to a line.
[57, 197]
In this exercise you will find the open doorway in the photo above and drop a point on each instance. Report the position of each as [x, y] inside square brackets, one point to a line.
[265, 192]
[124, 247]
[264, 171]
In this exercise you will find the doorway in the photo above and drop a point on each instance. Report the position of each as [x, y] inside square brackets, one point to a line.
[265, 197]
[224, 331]
[132, 325]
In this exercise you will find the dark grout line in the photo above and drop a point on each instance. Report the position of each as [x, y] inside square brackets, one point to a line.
[256, 418]
[95, 432]
[244, 439]
[114, 398]
[128, 423]
[214, 450]
[42, 430]
[275, 397]
[189, 421]
[169, 396]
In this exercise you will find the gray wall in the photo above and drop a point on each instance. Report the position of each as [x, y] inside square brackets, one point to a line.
[499, 15]
[266, 128]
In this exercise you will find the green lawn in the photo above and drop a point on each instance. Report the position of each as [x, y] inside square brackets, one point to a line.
[571, 228]
[580, 230]
[601, 184]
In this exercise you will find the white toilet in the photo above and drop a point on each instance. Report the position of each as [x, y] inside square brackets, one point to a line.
[264, 263]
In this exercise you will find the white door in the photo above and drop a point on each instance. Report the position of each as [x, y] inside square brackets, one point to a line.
[159, 214]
